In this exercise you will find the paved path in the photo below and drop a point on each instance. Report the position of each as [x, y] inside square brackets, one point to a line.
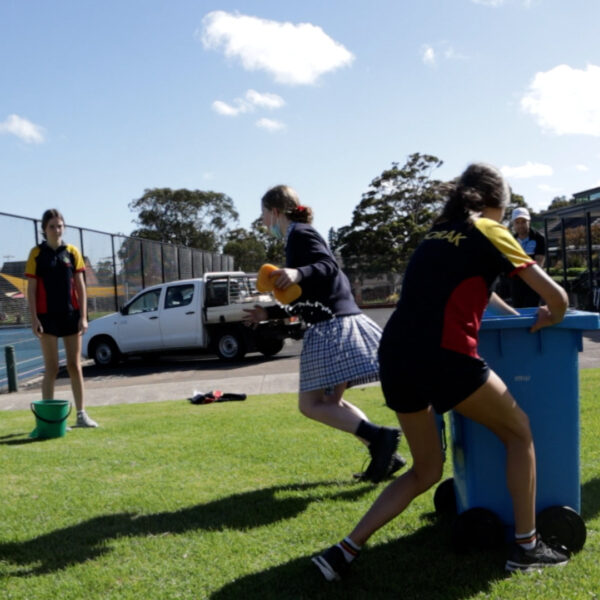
[176, 378]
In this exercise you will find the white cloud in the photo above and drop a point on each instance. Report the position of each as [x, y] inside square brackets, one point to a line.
[582, 168]
[529, 169]
[270, 124]
[428, 55]
[292, 54]
[228, 110]
[549, 188]
[264, 100]
[251, 100]
[564, 100]
[26, 130]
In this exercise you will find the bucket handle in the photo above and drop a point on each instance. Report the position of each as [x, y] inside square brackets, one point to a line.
[32, 406]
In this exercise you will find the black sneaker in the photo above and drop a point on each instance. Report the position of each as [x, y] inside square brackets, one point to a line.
[537, 558]
[382, 451]
[331, 563]
[398, 462]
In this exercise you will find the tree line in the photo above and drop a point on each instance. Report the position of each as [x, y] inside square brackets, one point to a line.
[387, 224]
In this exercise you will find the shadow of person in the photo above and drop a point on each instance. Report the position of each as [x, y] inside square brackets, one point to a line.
[18, 439]
[419, 565]
[590, 499]
[88, 539]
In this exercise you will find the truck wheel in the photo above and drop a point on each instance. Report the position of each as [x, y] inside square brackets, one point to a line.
[230, 346]
[269, 346]
[105, 352]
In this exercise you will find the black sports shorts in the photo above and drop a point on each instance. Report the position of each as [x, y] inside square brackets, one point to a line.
[62, 324]
[411, 382]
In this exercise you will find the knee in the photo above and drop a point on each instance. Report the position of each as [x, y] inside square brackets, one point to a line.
[73, 366]
[306, 406]
[521, 428]
[51, 370]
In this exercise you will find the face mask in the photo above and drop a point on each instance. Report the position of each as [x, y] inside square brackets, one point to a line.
[275, 231]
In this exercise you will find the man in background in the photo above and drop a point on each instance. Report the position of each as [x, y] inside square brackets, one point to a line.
[534, 245]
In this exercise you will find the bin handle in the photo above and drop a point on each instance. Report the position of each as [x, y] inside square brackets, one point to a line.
[32, 406]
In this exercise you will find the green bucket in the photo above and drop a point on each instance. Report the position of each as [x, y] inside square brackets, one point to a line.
[50, 418]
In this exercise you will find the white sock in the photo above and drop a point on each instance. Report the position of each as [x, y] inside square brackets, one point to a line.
[526, 540]
[349, 549]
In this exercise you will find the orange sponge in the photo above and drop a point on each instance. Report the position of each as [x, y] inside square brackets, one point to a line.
[264, 283]
[289, 294]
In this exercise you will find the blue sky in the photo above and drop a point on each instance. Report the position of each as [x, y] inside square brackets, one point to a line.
[102, 100]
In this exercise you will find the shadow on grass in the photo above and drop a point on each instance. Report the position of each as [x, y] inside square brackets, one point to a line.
[18, 439]
[590, 499]
[419, 565]
[87, 540]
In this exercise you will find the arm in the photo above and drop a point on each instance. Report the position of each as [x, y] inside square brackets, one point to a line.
[501, 307]
[36, 326]
[82, 299]
[540, 259]
[553, 295]
[309, 254]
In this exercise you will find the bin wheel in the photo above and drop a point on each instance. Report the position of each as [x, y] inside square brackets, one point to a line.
[561, 525]
[444, 498]
[477, 529]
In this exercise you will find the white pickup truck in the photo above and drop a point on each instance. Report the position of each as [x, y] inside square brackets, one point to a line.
[188, 315]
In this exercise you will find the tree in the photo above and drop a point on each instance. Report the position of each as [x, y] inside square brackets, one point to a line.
[391, 219]
[192, 218]
[558, 202]
[248, 252]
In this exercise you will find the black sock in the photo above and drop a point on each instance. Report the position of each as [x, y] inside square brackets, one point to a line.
[367, 431]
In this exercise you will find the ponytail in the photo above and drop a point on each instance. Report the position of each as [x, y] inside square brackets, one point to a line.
[480, 186]
[285, 199]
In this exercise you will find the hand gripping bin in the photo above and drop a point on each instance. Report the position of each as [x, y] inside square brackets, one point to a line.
[541, 372]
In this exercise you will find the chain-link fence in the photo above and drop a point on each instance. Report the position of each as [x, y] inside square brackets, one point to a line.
[116, 268]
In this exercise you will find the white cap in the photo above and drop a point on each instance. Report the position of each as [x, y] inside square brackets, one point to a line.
[520, 213]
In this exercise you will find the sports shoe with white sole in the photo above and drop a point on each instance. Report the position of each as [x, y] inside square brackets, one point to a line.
[84, 421]
[331, 563]
[537, 558]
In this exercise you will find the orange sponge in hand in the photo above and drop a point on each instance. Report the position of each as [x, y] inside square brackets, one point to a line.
[288, 295]
[264, 283]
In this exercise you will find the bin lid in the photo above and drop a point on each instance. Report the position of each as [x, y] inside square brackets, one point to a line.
[574, 319]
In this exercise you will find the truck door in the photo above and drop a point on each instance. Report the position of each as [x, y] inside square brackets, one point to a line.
[139, 327]
[181, 317]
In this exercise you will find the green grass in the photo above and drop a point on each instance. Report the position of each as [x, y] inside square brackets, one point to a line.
[229, 501]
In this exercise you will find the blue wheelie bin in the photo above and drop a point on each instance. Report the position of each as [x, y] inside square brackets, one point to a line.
[541, 372]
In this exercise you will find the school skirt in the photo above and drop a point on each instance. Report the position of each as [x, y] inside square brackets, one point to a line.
[339, 350]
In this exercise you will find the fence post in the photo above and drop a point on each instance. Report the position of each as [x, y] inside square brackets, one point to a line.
[11, 368]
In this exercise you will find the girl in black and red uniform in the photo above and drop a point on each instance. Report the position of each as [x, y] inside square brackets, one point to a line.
[57, 303]
[429, 362]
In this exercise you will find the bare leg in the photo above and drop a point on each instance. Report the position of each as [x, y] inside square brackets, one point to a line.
[73, 351]
[493, 406]
[331, 409]
[49, 344]
[423, 438]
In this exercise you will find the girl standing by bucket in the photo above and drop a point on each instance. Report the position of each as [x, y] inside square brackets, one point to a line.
[58, 305]
[340, 344]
